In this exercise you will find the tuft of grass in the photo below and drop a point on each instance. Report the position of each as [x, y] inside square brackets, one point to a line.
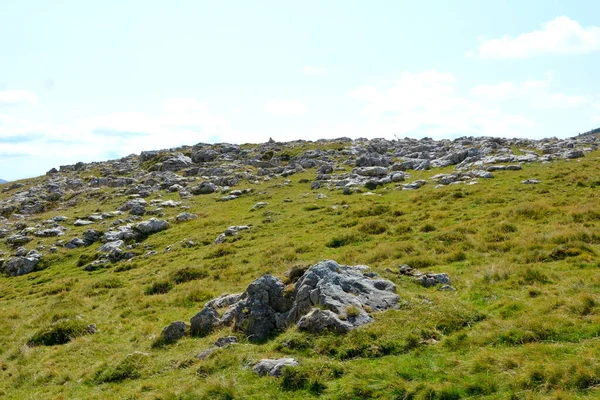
[60, 332]
[188, 274]
[131, 367]
[161, 287]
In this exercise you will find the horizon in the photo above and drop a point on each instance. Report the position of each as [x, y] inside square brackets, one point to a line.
[93, 83]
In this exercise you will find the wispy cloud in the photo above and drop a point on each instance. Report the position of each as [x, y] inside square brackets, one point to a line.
[537, 92]
[311, 70]
[284, 108]
[429, 103]
[560, 36]
[16, 97]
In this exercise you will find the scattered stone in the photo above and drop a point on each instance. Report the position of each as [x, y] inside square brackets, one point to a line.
[185, 216]
[531, 182]
[273, 367]
[429, 280]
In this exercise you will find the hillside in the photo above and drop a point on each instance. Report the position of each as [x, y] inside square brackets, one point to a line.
[491, 246]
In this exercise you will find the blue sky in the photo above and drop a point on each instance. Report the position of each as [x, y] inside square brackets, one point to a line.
[88, 81]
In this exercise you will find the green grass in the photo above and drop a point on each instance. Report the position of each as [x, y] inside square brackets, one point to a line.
[523, 322]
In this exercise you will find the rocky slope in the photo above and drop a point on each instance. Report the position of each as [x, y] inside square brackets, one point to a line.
[231, 218]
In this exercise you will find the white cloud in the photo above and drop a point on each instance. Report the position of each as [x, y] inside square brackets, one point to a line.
[536, 92]
[310, 70]
[37, 147]
[427, 103]
[561, 35]
[284, 108]
[15, 97]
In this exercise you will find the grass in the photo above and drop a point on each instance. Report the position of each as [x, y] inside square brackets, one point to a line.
[523, 322]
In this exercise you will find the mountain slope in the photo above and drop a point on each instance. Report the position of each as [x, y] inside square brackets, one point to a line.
[523, 321]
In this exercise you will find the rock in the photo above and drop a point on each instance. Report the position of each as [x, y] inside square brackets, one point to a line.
[225, 300]
[204, 188]
[51, 232]
[371, 171]
[137, 209]
[226, 341]
[414, 185]
[185, 216]
[179, 161]
[319, 320]
[259, 205]
[203, 355]
[231, 231]
[570, 154]
[203, 156]
[204, 322]
[153, 225]
[273, 367]
[17, 240]
[74, 243]
[82, 222]
[531, 182]
[266, 307]
[111, 246]
[90, 237]
[429, 280]
[130, 204]
[18, 266]
[174, 331]
[170, 203]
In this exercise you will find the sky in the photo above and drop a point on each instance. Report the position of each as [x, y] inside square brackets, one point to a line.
[91, 81]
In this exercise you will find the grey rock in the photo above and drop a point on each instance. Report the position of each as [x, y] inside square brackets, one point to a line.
[185, 216]
[318, 320]
[17, 240]
[74, 243]
[273, 367]
[226, 341]
[259, 205]
[17, 266]
[204, 188]
[571, 154]
[174, 331]
[204, 322]
[531, 181]
[225, 300]
[82, 222]
[429, 280]
[153, 225]
[110, 246]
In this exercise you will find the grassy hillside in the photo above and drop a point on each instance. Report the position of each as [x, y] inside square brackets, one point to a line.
[524, 321]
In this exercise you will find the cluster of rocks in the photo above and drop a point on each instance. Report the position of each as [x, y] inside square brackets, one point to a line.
[328, 296]
[428, 279]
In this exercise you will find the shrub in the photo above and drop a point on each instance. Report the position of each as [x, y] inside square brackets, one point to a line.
[158, 288]
[374, 211]
[188, 274]
[342, 241]
[428, 228]
[373, 227]
[109, 283]
[130, 367]
[61, 332]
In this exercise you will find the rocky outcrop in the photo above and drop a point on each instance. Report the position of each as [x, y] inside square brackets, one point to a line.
[328, 296]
